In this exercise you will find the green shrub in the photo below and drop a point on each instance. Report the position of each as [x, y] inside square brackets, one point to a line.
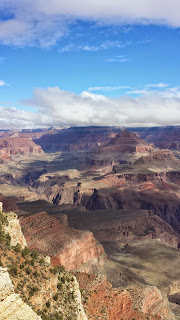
[55, 297]
[13, 270]
[28, 270]
[25, 252]
[34, 254]
[59, 286]
[7, 239]
[63, 279]
[41, 261]
[17, 248]
[33, 290]
[57, 269]
[1, 264]
[32, 262]
[48, 304]
[36, 274]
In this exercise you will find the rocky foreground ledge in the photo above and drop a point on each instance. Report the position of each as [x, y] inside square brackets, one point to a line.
[12, 307]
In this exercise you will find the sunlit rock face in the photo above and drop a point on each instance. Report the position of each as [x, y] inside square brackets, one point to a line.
[11, 305]
[14, 229]
[66, 246]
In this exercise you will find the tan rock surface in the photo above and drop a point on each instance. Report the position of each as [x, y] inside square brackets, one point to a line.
[14, 229]
[11, 305]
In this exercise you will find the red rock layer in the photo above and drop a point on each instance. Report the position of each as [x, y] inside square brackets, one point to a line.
[11, 146]
[103, 302]
[66, 246]
[126, 142]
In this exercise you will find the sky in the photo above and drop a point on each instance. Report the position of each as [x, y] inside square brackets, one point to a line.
[81, 63]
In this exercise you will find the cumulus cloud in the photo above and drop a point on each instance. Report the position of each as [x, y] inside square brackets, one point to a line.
[44, 22]
[56, 107]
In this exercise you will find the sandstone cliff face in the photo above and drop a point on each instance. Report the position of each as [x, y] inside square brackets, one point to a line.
[107, 303]
[12, 146]
[80, 314]
[162, 137]
[126, 142]
[150, 301]
[74, 139]
[65, 246]
[14, 229]
[11, 305]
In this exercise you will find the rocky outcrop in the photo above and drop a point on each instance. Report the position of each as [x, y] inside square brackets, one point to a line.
[77, 294]
[66, 246]
[14, 229]
[77, 138]
[150, 300]
[126, 142]
[107, 303]
[167, 137]
[11, 305]
[13, 146]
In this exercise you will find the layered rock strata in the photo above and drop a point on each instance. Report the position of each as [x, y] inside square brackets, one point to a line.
[126, 142]
[66, 246]
[138, 302]
[16, 145]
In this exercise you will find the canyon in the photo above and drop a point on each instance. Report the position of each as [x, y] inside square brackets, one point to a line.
[105, 204]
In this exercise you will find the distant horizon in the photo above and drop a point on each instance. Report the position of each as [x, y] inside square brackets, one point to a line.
[69, 127]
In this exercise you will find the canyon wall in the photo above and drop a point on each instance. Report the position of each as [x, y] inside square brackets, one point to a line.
[17, 145]
[66, 246]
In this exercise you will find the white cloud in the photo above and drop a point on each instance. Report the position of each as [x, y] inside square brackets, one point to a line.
[108, 44]
[157, 85]
[107, 88]
[117, 60]
[2, 83]
[141, 91]
[67, 48]
[57, 107]
[44, 22]
[105, 45]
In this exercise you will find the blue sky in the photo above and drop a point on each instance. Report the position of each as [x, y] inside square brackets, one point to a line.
[105, 64]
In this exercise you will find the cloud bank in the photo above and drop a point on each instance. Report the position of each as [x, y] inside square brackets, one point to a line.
[56, 107]
[43, 22]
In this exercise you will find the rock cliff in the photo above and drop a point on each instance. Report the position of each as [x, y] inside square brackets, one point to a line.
[13, 146]
[66, 246]
[126, 142]
[14, 229]
[149, 300]
[125, 226]
[11, 305]
[162, 137]
[101, 301]
[77, 138]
